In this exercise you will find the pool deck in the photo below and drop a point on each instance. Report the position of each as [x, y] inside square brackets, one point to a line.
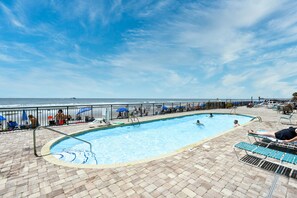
[210, 169]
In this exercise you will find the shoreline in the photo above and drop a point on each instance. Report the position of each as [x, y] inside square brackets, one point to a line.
[61, 102]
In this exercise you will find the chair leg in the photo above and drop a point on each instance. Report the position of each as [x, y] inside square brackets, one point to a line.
[236, 153]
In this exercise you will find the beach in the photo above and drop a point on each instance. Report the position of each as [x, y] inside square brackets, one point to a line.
[209, 169]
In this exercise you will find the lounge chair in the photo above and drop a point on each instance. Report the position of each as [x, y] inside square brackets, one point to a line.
[98, 122]
[104, 123]
[259, 105]
[286, 117]
[51, 121]
[117, 123]
[271, 141]
[266, 154]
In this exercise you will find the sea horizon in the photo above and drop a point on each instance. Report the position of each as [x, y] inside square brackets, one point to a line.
[33, 102]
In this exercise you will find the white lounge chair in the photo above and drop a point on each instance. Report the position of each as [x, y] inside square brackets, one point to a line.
[97, 123]
[286, 117]
[97, 120]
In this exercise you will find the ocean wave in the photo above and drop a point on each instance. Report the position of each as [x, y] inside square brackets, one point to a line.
[66, 104]
[47, 102]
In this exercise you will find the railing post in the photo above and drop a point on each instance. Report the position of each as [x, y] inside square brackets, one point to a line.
[92, 111]
[110, 112]
[37, 116]
[34, 142]
[67, 118]
[141, 110]
[153, 108]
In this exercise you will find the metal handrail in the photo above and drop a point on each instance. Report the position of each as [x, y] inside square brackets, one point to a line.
[233, 110]
[34, 138]
[257, 117]
[135, 118]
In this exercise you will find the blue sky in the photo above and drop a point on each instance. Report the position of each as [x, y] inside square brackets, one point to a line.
[148, 49]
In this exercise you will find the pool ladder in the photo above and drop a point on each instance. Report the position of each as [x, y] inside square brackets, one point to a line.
[62, 133]
[133, 119]
[233, 110]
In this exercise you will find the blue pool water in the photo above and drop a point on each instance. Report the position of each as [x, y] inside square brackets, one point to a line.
[139, 142]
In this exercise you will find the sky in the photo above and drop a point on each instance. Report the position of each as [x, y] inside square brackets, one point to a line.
[148, 48]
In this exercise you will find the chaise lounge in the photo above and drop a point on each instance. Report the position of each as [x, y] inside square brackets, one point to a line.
[286, 117]
[265, 154]
[261, 139]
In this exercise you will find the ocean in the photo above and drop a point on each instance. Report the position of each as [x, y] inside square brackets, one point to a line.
[39, 102]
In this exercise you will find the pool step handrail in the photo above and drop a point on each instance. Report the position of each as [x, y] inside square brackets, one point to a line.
[257, 117]
[233, 110]
[135, 119]
[60, 132]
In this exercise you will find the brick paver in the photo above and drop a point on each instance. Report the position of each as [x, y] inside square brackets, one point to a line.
[208, 170]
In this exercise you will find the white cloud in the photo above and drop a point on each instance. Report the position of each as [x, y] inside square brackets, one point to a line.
[92, 12]
[274, 81]
[11, 16]
[149, 9]
[220, 31]
[233, 79]
[6, 58]
[195, 36]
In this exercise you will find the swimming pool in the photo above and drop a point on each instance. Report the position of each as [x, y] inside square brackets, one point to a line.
[148, 140]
